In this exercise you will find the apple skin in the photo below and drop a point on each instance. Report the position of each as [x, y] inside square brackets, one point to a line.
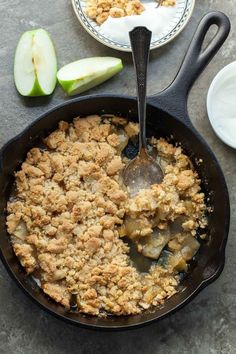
[36, 90]
[75, 87]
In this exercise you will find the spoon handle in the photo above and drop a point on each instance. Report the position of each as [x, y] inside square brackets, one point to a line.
[140, 38]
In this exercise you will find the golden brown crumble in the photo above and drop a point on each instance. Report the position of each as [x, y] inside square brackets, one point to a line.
[71, 210]
[100, 10]
[168, 3]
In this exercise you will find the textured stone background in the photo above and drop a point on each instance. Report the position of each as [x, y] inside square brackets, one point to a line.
[206, 325]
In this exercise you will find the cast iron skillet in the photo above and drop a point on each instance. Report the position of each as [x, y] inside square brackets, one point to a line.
[166, 116]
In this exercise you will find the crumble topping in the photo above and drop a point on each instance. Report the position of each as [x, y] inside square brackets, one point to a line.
[71, 211]
[100, 10]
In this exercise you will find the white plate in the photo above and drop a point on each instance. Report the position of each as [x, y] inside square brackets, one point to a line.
[223, 126]
[183, 12]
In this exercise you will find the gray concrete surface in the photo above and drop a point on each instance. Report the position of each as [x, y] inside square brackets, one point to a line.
[205, 326]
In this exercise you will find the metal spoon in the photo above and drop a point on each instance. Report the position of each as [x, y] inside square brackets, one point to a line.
[159, 2]
[143, 170]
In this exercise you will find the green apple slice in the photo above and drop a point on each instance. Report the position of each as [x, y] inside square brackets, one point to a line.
[35, 66]
[84, 74]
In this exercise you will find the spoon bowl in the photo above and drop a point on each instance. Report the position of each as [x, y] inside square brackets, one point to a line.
[141, 173]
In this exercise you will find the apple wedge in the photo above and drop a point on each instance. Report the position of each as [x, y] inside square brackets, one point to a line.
[84, 74]
[35, 66]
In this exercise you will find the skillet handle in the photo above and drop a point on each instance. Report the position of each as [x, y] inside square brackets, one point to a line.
[174, 98]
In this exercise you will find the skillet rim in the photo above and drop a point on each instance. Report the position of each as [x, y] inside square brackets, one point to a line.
[204, 283]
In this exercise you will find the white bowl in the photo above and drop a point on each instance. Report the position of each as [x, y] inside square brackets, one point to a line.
[183, 13]
[222, 122]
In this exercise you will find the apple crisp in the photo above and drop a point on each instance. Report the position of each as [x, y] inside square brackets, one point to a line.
[70, 216]
[100, 10]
